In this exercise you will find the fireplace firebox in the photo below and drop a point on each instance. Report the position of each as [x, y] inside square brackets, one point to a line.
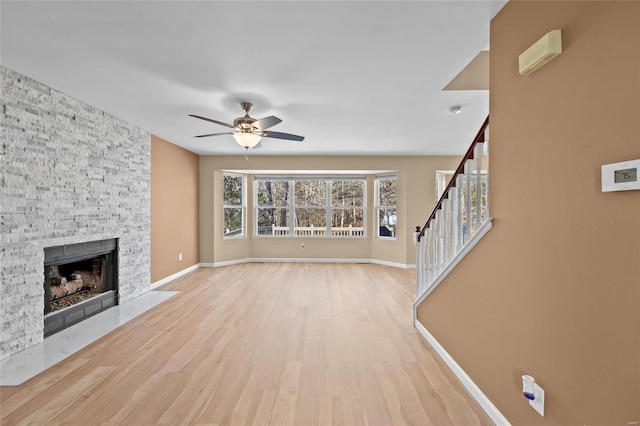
[80, 280]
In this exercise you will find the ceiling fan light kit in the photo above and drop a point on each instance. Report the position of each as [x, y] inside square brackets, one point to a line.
[246, 140]
[248, 130]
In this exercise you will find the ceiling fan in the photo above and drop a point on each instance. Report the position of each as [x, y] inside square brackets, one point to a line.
[249, 130]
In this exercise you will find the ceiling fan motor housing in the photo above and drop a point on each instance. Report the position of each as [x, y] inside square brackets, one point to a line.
[245, 123]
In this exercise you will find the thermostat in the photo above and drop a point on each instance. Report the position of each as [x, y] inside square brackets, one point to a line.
[620, 176]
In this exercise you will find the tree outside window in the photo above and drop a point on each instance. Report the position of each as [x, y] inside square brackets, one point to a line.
[347, 206]
[272, 207]
[310, 207]
[386, 189]
[233, 205]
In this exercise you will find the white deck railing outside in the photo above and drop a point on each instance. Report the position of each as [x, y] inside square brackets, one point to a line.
[312, 231]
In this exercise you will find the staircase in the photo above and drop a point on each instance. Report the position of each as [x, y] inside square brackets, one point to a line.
[458, 221]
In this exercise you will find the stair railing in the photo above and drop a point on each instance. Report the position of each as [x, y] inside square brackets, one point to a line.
[460, 214]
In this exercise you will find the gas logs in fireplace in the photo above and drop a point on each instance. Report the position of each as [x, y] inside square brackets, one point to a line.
[80, 280]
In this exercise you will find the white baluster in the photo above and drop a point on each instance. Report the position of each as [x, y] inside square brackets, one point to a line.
[431, 259]
[485, 152]
[468, 167]
[455, 220]
[478, 169]
[425, 256]
[437, 234]
[446, 221]
[461, 187]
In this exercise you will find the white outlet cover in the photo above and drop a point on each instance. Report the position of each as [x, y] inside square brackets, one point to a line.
[538, 403]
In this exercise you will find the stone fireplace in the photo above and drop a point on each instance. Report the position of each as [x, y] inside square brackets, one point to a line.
[70, 176]
[80, 280]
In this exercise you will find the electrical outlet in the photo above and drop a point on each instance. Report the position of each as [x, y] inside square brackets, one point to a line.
[180, 257]
[538, 403]
[302, 246]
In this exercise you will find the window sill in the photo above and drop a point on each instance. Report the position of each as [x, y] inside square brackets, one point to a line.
[233, 237]
[330, 237]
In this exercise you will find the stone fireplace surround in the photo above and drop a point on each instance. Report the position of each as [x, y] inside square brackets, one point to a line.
[69, 173]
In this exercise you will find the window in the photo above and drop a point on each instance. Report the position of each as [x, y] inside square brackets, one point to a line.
[386, 206]
[233, 205]
[347, 207]
[442, 180]
[310, 207]
[272, 207]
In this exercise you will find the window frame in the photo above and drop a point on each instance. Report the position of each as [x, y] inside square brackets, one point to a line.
[284, 207]
[242, 206]
[378, 206]
[332, 208]
[292, 206]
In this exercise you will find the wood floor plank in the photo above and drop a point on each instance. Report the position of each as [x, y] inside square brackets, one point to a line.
[257, 344]
[265, 407]
[9, 402]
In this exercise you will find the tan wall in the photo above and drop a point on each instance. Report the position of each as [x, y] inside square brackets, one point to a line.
[554, 289]
[416, 197]
[174, 209]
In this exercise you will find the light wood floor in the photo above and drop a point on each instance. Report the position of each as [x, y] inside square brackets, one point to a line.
[289, 344]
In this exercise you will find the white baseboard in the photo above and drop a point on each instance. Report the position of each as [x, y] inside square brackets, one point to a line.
[174, 276]
[225, 263]
[303, 260]
[392, 264]
[307, 260]
[473, 389]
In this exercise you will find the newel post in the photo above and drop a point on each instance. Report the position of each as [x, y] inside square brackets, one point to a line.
[416, 234]
[419, 260]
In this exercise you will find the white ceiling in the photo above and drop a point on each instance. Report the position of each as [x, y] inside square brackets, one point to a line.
[353, 77]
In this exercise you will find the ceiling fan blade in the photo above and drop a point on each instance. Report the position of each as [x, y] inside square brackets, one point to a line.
[211, 120]
[265, 123]
[280, 135]
[213, 134]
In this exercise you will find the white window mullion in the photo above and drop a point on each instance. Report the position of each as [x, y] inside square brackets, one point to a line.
[292, 207]
[328, 209]
[255, 207]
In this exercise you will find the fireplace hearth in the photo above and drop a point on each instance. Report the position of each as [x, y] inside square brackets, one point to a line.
[80, 280]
